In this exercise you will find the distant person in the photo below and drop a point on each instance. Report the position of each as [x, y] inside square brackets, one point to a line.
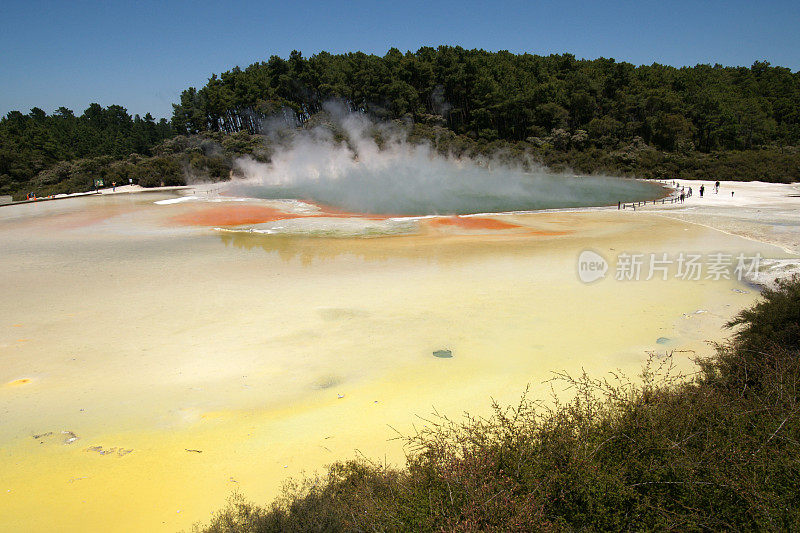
[731, 194]
[130, 181]
[717, 186]
[683, 196]
[690, 193]
[113, 186]
[702, 188]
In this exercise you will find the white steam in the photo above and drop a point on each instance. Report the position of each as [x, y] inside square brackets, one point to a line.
[412, 179]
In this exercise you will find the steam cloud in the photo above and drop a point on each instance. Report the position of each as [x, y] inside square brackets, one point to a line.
[412, 179]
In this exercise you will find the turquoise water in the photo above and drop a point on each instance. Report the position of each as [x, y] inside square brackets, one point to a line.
[446, 189]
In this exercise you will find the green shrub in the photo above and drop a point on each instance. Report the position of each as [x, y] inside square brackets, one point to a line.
[718, 451]
[774, 322]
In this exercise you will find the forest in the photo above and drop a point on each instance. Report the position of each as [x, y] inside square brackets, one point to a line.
[514, 97]
[65, 152]
[705, 121]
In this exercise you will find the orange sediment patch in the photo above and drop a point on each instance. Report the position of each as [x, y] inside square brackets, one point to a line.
[18, 382]
[237, 215]
[233, 215]
[480, 223]
[472, 223]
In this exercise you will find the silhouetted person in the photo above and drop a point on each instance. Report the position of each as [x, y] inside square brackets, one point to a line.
[717, 186]
[702, 188]
[683, 196]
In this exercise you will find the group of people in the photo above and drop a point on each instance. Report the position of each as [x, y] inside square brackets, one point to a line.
[687, 194]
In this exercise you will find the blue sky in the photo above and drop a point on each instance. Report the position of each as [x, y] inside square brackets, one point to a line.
[141, 55]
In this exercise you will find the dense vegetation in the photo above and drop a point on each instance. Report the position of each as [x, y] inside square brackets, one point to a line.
[706, 121]
[515, 97]
[62, 146]
[717, 451]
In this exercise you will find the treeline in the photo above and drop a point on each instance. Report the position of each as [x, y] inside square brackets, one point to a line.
[717, 452]
[708, 122]
[36, 142]
[175, 161]
[632, 159]
[514, 97]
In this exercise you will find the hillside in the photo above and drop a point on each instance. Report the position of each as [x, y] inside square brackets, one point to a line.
[708, 122]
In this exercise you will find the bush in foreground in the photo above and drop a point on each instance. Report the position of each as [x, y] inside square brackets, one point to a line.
[717, 450]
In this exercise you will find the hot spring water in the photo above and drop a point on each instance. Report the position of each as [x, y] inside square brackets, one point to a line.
[400, 178]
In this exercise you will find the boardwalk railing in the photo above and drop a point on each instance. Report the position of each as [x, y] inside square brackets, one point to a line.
[634, 205]
[207, 192]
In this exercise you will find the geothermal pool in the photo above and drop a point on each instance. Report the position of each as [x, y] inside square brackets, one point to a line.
[402, 178]
[437, 186]
[162, 351]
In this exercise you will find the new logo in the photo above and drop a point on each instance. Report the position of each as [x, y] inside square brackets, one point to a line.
[591, 266]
